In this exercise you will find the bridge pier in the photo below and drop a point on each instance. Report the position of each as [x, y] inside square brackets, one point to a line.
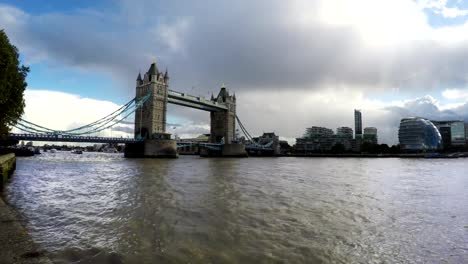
[234, 150]
[152, 148]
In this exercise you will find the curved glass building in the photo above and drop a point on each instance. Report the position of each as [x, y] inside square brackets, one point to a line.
[418, 135]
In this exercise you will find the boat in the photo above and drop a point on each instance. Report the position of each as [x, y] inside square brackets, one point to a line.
[37, 150]
[53, 150]
[77, 151]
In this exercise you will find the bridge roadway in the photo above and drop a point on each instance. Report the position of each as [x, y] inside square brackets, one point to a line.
[197, 102]
[90, 139]
[68, 138]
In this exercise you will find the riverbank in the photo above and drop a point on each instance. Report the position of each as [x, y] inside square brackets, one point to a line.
[17, 246]
[353, 155]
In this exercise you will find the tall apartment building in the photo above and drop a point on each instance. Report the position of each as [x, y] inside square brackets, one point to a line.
[358, 124]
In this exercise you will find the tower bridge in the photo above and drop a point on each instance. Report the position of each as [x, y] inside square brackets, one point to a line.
[150, 110]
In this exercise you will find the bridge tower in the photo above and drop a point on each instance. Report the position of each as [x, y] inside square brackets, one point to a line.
[223, 123]
[150, 119]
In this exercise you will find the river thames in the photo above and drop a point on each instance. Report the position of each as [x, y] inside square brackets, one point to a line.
[96, 208]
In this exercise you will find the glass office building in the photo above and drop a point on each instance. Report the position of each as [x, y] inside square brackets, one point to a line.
[418, 135]
[457, 131]
[370, 135]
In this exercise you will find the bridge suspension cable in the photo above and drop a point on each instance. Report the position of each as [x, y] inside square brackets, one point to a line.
[101, 124]
[246, 133]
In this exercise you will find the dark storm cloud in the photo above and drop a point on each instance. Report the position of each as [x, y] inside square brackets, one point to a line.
[245, 44]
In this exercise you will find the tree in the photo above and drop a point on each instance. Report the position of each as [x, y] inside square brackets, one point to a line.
[338, 148]
[12, 84]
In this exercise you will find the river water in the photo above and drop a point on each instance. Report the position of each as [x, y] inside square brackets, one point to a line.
[102, 208]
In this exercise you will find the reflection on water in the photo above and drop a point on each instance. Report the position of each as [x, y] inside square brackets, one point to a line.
[104, 208]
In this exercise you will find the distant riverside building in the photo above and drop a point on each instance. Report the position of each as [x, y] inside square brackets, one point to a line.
[322, 139]
[191, 144]
[457, 136]
[344, 136]
[370, 135]
[316, 139]
[358, 123]
[466, 133]
[344, 132]
[269, 138]
[318, 132]
[446, 134]
[418, 135]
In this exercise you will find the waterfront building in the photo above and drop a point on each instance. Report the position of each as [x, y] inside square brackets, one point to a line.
[446, 134]
[269, 139]
[457, 131]
[191, 145]
[316, 139]
[344, 132]
[418, 135]
[358, 123]
[318, 132]
[344, 136]
[370, 135]
[466, 134]
[321, 139]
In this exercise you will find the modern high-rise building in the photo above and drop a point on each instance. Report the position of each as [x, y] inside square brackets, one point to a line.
[358, 124]
[370, 135]
[418, 135]
[457, 131]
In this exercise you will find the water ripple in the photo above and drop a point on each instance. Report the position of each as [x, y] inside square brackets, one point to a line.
[99, 208]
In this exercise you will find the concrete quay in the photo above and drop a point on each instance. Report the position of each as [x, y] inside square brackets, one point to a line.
[16, 245]
[7, 167]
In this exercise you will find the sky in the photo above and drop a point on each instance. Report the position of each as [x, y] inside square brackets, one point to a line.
[292, 64]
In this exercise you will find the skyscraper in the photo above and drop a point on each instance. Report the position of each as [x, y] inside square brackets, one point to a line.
[358, 124]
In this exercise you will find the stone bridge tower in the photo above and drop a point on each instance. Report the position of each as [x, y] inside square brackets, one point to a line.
[150, 120]
[223, 123]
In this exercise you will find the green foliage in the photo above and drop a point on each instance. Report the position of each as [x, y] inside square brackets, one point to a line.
[338, 148]
[370, 148]
[12, 84]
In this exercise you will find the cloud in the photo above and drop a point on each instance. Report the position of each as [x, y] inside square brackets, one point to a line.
[63, 111]
[327, 108]
[430, 108]
[267, 44]
[456, 94]
[441, 7]
[293, 64]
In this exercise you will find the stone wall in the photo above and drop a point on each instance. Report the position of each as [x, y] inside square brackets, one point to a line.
[7, 167]
[152, 148]
[161, 148]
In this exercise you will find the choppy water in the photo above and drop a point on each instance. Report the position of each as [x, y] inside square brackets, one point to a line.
[95, 208]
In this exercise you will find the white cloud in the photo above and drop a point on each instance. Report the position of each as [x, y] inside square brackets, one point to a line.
[285, 113]
[293, 64]
[455, 94]
[63, 111]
